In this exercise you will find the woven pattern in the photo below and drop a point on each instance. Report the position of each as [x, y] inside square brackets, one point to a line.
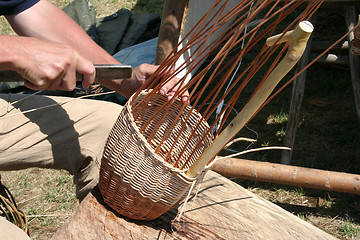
[134, 180]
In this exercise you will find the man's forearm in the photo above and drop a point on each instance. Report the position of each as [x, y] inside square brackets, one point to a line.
[6, 52]
[47, 22]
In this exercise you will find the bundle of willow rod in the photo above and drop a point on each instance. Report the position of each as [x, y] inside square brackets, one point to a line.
[208, 88]
[10, 211]
[148, 162]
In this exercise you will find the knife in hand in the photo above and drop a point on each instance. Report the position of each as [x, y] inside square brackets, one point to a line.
[103, 72]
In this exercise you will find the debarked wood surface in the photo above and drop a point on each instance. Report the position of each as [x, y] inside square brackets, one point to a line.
[222, 209]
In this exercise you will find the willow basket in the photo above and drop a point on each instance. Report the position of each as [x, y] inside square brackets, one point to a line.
[135, 180]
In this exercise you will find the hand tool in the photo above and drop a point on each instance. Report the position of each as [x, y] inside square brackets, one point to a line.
[103, 72]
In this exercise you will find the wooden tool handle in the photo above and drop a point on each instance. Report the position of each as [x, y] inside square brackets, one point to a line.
[103, 72]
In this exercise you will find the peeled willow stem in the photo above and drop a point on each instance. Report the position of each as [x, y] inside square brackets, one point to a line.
[297, 44]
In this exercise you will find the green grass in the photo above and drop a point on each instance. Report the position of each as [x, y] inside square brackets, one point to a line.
[278, 118]
[46, 196]
[351, 229]
[5, 27]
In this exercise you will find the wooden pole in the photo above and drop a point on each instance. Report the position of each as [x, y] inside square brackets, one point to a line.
[297, 44]
[288, 175]
[352, 19]
[295, 105]
[170, 28]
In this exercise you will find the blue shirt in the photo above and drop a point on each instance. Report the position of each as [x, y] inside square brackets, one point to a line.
[9, 7]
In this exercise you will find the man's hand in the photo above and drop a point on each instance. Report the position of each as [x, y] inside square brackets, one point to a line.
[140, 74]
[49, 65]
[170, 88]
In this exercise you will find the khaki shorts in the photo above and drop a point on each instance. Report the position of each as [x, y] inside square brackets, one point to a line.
[69, 136]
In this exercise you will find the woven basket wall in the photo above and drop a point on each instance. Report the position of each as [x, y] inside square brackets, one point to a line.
[134, 180]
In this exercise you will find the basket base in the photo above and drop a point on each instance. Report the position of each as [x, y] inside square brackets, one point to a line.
[128, 202]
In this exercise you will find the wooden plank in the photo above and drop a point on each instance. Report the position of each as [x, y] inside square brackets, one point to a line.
[221, 210]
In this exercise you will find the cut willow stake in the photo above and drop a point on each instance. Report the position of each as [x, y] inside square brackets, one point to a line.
[297, 43]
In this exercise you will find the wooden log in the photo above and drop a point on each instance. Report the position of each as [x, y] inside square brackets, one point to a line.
[221, 210]
[288, 175]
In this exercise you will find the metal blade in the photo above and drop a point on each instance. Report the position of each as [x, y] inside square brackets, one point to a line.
[103, 72]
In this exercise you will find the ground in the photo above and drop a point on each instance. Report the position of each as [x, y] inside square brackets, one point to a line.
[328, 137]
